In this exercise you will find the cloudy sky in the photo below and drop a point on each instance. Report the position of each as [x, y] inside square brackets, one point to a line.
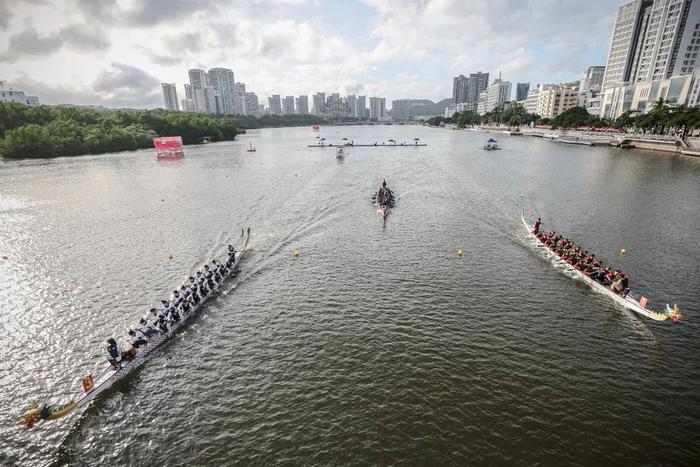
[117, 52]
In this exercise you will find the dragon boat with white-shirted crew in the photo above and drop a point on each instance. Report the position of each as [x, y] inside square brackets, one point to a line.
[153, 331]
[587, 268]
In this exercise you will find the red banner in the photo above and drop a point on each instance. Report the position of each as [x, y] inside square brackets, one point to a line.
[316, 127]
[168, 146]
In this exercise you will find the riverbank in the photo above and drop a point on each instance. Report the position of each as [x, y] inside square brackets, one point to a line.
[56, 131]
[662, 143]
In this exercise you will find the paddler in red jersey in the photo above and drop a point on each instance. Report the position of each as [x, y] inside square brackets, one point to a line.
[536, 230]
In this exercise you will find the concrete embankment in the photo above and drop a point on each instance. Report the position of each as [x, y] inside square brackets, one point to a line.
[627, 141]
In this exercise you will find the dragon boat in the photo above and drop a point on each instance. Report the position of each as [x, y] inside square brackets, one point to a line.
[628, 301]
[94, 386]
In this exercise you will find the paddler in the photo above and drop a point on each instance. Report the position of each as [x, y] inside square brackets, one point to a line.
[137, 338]
[114, 352]
[146, 329]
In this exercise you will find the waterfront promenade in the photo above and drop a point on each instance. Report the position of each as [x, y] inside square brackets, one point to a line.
[666, 143]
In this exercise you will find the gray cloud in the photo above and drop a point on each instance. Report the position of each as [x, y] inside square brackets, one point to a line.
[102, 10]
[125, 79]
[30, 43]
[152, 12]
[160, 59]
[186, 42]
[123, 97]
[7, 7]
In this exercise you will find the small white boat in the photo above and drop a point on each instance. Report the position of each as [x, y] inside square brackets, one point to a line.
[491, 145]
[106, 379]
[627, 301]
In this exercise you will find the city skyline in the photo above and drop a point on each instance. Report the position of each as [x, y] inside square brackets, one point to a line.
[396, 50]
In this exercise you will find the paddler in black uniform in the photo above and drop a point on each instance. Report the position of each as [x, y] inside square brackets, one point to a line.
[114, 352]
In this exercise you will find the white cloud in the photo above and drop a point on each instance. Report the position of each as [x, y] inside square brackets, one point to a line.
[396, 48]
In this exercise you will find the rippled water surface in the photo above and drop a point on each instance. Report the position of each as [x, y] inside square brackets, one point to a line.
[378, 344]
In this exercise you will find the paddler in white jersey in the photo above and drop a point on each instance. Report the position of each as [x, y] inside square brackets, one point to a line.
[147, 329]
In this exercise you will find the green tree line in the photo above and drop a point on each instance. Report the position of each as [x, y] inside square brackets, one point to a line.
[662, 118]
[515, 115]
[51, 131]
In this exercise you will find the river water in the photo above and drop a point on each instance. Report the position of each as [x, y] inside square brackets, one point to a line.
[378, 344]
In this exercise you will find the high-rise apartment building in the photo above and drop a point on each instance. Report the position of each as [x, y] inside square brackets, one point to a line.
[251, 104]
[478, 82]
[377, 108]
[302, 103]
[288, 105]
[239, 99]
[653, 41]
[188, 101]
[319, 101]
[459, 89]
[222, 80]
[589, 89]
[198, 81]
[592, 79]
[275, 104]
[660, 53]
[361, 107]
[170, 96]
[351, 105]
[213, 102]
[521, 90]
[467, 90]
[496, 94]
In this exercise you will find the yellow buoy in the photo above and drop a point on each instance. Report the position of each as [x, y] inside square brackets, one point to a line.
[623, 252]
[296, 253]
[171, 256]
[460, 253]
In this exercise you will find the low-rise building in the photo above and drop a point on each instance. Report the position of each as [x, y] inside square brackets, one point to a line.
[482, 102]
[18, 96]
[533, 96]
[640, 98]
[553, 100]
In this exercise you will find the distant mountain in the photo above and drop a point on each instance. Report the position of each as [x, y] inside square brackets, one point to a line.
[428, 108]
